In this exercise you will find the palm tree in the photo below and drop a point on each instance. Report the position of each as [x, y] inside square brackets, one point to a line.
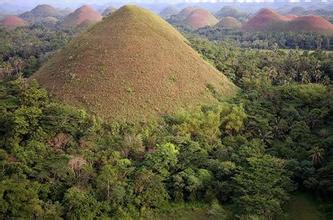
[317, 155]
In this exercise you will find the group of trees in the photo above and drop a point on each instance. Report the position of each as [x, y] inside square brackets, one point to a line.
[268, 40]
[61, 162]
[22, 50]
[246, 66]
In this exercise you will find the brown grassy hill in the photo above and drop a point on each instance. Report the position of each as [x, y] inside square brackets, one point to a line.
[310, 23]
[199, 18]
[268, 20]
[183, 14]
[265, 19]
[13, 22]
[82, 16]
[40, 12]
[132, 65]
[229, 23]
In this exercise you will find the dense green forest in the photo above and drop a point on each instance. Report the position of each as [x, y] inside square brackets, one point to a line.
[240, 159]
[267, 40]
[22, 50]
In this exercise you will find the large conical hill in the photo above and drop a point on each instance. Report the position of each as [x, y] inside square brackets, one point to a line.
[132, 65]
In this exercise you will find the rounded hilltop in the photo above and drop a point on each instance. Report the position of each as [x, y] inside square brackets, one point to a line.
[132, 65]
[199, 18]
[84, 15]
[269, 20]
[13, 21]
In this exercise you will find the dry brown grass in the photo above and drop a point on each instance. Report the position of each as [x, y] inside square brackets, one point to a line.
[133, 65]
[199, 18]
[268, 20]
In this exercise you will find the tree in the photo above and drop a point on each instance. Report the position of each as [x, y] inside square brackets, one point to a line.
[164, 158]
[317, 155]
[19, 199]
[149, 190]
[261, 187]
[80, 204]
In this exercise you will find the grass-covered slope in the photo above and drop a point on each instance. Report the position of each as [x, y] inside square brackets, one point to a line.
[131, 65]
[13, 22]
[40, 12]
[229, 23]
[82, 16]
[200, 18]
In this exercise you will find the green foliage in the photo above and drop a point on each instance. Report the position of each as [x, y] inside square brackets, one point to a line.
[244, 157]
[24, 49]
[261, 186]
[80, 204]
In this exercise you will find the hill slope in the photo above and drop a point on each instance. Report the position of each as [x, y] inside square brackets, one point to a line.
[228, 11]
[131, 65]
[229, 23]
[108, 11]
[169, 11]
[199, 18]
[81, 16]
[268, 20]
[13, 21]
[40, 12]
[265, 19]
[310, 23]
[182, 15]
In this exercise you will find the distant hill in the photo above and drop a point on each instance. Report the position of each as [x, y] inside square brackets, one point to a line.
[41, 12]
[228, 11]
[12, 21]
[169, 11]
[268, 20]
[109, 11]
[132, 65]
[199, 18]
[310, 23]
[229, 23]
[84, 15]
[265, 19]
[182, 15]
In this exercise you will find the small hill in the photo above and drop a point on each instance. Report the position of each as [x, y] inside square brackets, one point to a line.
[132, 65]
[229, 23]
[310, 23]
[228, 11]
[13, 22]
[84, 15]
[268, 20]
[182, 15]
[200, 18]
[108, 11]
[265, 19]
[40, 12]
[169, 11]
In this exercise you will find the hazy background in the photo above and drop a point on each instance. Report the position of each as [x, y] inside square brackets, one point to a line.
[18, 6]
